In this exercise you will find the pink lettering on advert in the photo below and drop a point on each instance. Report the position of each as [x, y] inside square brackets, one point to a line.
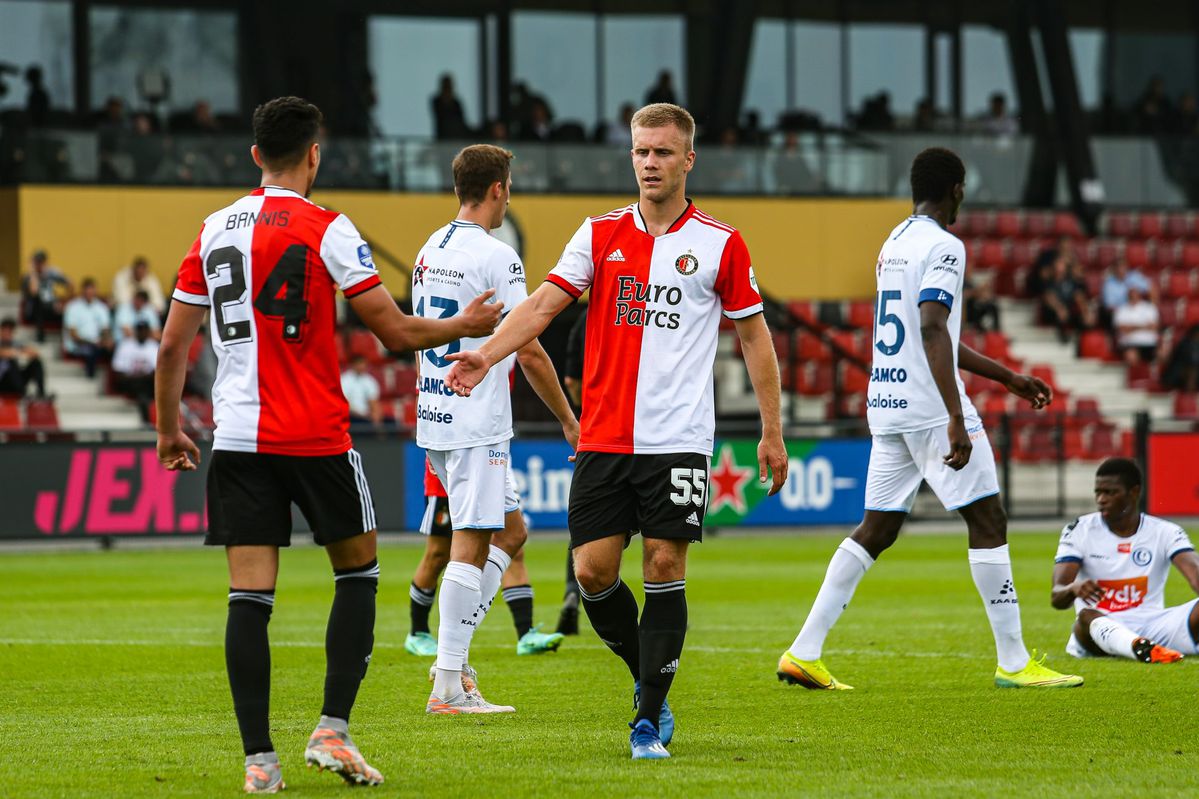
[107, 488]
[157, 496]
[46, 505]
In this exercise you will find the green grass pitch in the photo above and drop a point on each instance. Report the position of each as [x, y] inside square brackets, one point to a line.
[115, 686]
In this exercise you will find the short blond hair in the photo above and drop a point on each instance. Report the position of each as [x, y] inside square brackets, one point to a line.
[479, 167]
[659, 115]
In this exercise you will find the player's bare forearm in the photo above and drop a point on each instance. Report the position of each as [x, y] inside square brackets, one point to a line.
[525, 322]
[400, 332]
[938, 348]
[975, 362]
[539, 369]
[763, 367]
[1187, 564]
[183, 323]
[1061, 596]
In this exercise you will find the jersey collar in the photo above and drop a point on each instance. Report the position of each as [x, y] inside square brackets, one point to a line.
[462, 223]
[261, 190]
[675, 226]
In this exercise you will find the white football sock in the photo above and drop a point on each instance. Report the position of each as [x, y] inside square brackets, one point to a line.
[1113, 637]
[457, 603]
[992, 573]
[845, 571]
[493, 573]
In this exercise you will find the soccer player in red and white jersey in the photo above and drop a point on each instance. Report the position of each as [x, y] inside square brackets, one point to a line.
[268, 267]
[1111, 568]
[660, 272]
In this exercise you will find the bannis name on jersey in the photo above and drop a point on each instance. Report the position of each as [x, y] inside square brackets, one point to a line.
[826, 484]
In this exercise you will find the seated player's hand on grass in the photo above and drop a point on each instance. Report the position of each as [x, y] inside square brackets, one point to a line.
[772, 456]
[959, 445]
[482, 316]
[468, 371]
[1038, 393]
[1088, 591]
[178, 453]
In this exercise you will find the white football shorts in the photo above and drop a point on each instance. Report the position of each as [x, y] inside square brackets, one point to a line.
[478, 481]
[900, 461]
[1169, 627]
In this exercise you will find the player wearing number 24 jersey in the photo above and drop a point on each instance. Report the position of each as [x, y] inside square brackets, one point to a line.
[268, 267]
[925, 429]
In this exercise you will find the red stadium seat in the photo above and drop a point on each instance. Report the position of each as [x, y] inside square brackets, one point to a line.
[1150, 226]
[1072, 443]
[1178, 225]
[1175, 283]
[1009, 224]
[1140, 376]
[41, 414]
[1168, 313]
[1104, 253]
[992, 255]
[363, 342]
[802, 310]
[1103, 442]
[1127, 444]
[1086, 409]
[1045, 372]
[1066, 224]
[811, 348]
[1189, 311]
[860, 315]
[10, 413]
[1038, 223]
[1023, 253]
[1190, 254]
[854, 380]
[1186, 406]
[1095, 344]
[1165, 255]
[1137, 254]
[995, 345]
[1120, 224]
[816, 379]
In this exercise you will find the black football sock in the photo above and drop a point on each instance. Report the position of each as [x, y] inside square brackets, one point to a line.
[349, 637]
[572, 583]
[520, 601]
[248, 662]
[419, 607]
[663, 628]
[613, 615]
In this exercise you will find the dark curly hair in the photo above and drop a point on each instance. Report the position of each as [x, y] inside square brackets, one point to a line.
[1123, 469]
[934, 174]
[284, 129]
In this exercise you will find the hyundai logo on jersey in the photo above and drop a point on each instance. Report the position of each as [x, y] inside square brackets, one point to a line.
[516, 268]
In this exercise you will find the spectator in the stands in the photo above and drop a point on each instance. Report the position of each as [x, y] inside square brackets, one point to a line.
[981, 306]
[497, 131]
[133, 363]
[1117, 284]
[663, 90]
[924, 120]
[1182, 369]
[792, 175]
[876, 113]
[1186, 121]
[129, 315]
[1041, 274]
[751, 132]
[540, 124]
[37, 99]
[15, 378]
[998, 122]
[618, 133]
[1065, 302]
[138, 277]
[362, 393]
[1154, 112]
[1137, 324]
[44, 289]
[449, 120]
[202, 119]
[87, 327]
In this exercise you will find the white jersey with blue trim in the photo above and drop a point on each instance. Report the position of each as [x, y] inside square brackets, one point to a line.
[920, 262]
[459, 262]
[1131, 570]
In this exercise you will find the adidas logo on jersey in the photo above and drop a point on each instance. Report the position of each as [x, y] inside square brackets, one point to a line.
[671, 667]
[693, 519]
[615, 255]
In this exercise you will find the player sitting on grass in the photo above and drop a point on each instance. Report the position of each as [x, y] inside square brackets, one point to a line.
[1112, 565]
[515, 587]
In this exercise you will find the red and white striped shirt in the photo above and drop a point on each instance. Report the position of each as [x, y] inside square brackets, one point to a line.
[652, 326]
[269, 266]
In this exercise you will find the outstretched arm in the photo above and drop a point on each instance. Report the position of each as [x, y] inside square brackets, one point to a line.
[1188, 564]
[1036, 391]
[525, 323]
[763, 367]
[539, 369]
[400, 332]
[176, 451]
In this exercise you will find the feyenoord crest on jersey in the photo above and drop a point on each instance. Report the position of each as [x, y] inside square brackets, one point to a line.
[687, 264]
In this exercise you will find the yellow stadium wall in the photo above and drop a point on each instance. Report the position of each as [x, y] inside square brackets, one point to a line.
[801, 248]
